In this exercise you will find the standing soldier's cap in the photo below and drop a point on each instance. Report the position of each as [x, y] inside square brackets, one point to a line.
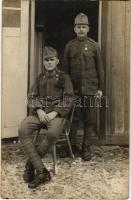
[81, 18]
[49, 52]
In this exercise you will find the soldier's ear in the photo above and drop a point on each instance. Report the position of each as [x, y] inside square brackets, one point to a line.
[57, 61]
[88, 28]
[75, 29]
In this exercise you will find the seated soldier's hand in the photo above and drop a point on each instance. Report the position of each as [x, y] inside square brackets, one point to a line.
[52, 115]
[43, 117]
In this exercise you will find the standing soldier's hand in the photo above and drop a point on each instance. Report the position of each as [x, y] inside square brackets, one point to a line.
[43, 117]
[98, 94]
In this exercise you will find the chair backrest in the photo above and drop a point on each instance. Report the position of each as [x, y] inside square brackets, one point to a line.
[69, 120]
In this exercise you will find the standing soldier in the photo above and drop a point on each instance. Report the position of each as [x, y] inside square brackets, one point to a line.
[82, 61]
[48, 112]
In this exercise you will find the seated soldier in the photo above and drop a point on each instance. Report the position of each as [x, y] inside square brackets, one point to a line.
[48, 112]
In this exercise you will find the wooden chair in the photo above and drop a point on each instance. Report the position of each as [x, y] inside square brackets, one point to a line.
[66, 132]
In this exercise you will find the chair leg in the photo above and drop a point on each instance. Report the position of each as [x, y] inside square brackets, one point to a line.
[69, 145]
[55, 169]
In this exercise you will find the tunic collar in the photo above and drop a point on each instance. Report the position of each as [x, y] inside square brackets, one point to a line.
[82, 39]
[50, 74]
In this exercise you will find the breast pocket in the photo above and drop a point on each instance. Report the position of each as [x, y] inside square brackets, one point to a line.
[74, 54]
[42, 88]
[89, 58]
[75, 60]
[89, 54]
[57, 91]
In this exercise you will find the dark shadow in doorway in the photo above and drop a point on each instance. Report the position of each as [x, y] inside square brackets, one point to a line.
[58, 20]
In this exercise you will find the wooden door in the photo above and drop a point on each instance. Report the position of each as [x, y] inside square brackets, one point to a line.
[14, 65]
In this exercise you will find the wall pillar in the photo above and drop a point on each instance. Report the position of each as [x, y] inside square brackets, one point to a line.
[116, 57]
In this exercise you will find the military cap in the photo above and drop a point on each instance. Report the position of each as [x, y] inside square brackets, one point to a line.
[81, 18]
[49, 52]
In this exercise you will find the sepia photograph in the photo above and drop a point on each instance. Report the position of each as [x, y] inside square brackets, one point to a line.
[65, 94]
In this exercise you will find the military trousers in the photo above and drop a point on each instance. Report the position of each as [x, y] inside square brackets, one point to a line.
[85, 112]
[51, 131]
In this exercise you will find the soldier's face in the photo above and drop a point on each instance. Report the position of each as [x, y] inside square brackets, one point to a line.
[51, 63]
[81, 30]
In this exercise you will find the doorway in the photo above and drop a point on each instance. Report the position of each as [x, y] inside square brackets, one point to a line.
[57, 20]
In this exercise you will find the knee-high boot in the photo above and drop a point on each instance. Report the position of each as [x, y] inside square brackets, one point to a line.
[33, 155]
[86, 151]
[30, 150]
[29, 172]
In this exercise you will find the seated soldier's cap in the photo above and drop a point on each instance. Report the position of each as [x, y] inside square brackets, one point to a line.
[49, 52]
[81, 18]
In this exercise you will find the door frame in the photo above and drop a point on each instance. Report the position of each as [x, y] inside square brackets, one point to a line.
[99, 23]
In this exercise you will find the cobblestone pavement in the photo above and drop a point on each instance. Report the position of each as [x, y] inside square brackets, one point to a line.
[104, 177]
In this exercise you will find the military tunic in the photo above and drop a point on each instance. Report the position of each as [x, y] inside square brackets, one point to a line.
[49, 92]
[82, 61]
